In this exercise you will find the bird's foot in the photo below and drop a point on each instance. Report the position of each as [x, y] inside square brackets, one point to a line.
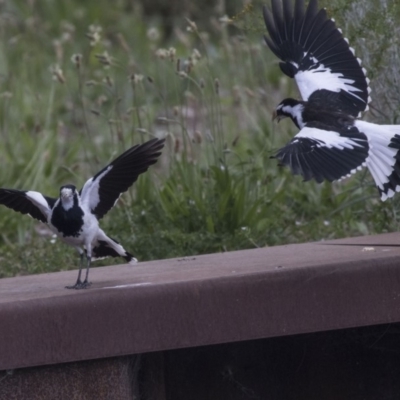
[80, 285]
[85, 284]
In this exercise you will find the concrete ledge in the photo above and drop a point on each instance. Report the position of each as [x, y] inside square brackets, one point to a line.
[200, 300]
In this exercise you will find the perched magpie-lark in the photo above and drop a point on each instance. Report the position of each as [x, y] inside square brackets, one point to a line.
[332, 143]
[74, 216]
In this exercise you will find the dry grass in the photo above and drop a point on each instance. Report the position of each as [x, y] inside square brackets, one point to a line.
[81, 84]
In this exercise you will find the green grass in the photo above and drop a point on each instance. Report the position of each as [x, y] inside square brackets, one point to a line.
[215, 187]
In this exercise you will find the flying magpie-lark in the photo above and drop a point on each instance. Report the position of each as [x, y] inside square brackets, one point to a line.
[332, 143]
[75, 215]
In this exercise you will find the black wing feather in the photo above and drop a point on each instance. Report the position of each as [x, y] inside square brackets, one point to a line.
[309, 16]
[18, 201]
[102, 250]
[313, 158]
[306, 40]
[103, 190]
[288, 17]
[278, 18]
[298, 20]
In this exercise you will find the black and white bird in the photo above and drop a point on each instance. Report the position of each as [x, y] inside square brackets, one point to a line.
[332, 143]
[74, 216]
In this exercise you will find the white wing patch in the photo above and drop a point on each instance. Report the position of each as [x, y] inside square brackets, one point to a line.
[90, 192]
[39, 201]
[328, 138]
[323, 78]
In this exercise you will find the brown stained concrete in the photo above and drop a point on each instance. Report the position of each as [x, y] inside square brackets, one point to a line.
[200, 300]
[108, 379]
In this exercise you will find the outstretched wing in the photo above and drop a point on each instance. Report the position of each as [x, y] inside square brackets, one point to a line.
[101, 192]
[315, 53]
[325, 155]
[27, 202]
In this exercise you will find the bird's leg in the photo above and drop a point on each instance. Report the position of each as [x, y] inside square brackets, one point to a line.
[78, 284]
[86, 283]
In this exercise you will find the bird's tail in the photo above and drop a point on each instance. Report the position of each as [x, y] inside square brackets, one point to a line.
[109, 247]
[383, 159]
[129, 258]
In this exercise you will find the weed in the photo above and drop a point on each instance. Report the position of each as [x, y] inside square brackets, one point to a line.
[210, 93]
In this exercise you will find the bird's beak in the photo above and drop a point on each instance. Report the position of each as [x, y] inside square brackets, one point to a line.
[66, 195]
[275, 116]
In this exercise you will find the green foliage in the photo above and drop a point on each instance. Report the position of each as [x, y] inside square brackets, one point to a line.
[81, 82]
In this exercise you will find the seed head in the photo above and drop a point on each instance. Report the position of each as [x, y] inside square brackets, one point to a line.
[101, 100]
[196, 55]
[162, 54]
[77, 60]
[66, 37]
[225, 20]
[104, 59]
[172, 53]
[57, 73]
[94, 34]
[192, 27]
[189, 65]
[182, 74]
[136, 78]
[153, 34]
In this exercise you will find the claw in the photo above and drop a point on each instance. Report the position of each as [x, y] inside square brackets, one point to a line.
[79, 285]
[85, 284]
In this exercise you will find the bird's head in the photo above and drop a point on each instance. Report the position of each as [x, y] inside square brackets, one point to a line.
[290, 108]
[67, 195]
[67, 191]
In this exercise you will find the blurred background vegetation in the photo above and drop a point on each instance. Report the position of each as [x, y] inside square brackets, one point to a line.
[80, 82]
